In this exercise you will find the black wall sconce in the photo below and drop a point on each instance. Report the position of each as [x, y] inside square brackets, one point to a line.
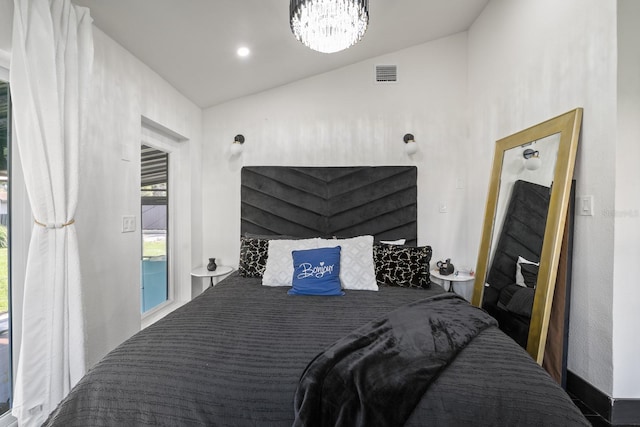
[411, 147]
[531, 159]
[236, 147]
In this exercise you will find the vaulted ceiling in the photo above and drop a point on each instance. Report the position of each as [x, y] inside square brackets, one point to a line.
[192, 44]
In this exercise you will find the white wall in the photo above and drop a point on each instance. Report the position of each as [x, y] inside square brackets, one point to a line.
[342, 118]
[6, 19]
[626, 292]
[530, 61]
[124, 91]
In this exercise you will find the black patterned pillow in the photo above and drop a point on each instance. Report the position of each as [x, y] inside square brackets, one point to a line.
[404, 266]
[253, 257]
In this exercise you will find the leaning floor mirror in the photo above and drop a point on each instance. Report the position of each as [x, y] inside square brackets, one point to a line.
[526, 211]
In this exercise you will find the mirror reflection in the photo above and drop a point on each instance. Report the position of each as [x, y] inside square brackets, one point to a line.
[523, 228]
[518, 232]
[515, 168]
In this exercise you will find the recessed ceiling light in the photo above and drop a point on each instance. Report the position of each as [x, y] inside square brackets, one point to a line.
[243, 51]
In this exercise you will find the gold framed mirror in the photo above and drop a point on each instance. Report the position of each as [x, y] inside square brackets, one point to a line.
[553, 144]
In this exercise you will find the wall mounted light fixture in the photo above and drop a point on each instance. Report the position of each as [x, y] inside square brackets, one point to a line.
[236, 147]
[410, 147]
[531, 159]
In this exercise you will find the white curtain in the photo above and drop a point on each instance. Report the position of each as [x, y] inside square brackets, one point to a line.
[51, 58]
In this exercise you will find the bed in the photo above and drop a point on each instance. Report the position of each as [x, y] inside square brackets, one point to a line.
[244, 354]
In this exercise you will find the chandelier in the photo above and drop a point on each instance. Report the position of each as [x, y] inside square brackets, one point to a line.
[329, 26]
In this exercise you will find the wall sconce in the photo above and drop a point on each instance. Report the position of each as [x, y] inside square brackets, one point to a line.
[410, 147]
[236, 147]
[531, 159]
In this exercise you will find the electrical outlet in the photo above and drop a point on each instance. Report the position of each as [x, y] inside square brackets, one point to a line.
[128, 223]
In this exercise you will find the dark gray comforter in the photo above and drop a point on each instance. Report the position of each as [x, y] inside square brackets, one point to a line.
[234, 356]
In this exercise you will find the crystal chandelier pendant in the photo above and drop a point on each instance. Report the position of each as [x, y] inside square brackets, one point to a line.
[329, 26]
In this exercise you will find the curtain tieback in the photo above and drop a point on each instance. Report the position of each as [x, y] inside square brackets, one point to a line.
[52, 225]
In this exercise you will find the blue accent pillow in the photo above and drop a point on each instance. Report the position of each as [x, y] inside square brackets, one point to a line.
[316, 272]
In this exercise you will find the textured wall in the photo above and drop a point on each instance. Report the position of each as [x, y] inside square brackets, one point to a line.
[6, 19]
[342, 118]
[530, 61]
[626, 294]
[124, 90]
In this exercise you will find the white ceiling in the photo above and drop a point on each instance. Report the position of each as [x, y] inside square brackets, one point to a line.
[192, 44]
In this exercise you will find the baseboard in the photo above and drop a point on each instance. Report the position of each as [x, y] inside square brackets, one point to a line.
[591, 396]
[625, 412]
[617, 411]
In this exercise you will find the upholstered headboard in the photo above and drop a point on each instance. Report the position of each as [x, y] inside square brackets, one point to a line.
[330, 201]
[522, 232]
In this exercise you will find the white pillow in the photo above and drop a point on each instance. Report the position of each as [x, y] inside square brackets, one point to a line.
[357, 269]
[394, 242]
[519, 276]
[279, 268]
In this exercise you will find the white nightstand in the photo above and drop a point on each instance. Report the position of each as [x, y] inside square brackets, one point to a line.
[463, 283]
[216, 274]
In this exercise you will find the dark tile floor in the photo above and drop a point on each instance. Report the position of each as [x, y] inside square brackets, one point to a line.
[595, 419]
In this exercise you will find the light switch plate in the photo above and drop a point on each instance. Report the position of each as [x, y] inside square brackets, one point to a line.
[585, 206]
[128, 223]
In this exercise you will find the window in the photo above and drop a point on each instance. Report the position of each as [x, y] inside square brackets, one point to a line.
[5, 291]
[165, 165]
[154, 214]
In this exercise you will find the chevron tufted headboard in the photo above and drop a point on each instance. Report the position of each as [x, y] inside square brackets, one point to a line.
[330, 201]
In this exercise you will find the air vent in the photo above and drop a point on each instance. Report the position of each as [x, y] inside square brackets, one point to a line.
[386, 73]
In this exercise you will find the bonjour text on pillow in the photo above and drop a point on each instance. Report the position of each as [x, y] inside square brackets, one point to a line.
[316, 272]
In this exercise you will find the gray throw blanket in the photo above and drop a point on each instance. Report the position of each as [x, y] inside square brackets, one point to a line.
[376, 375]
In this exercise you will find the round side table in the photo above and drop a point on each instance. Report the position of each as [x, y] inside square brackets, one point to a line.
[461, 279]
[216, 274]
